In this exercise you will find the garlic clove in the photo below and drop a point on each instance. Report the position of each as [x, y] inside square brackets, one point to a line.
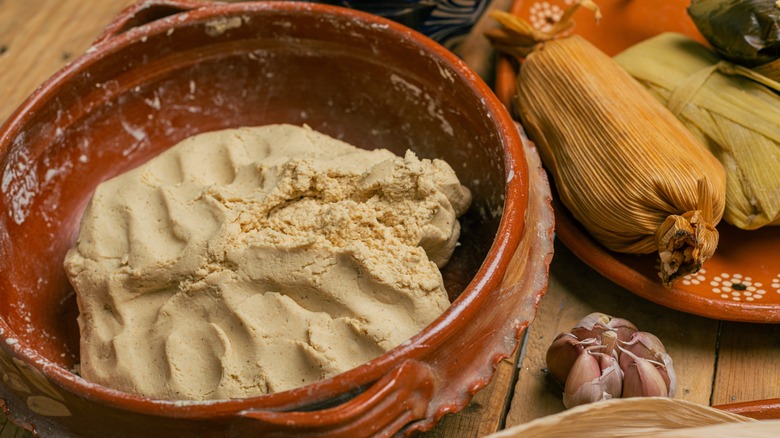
[611, 375]
[596, 324]
[645, 345]
[561, 355]
[648, 346]
[586, 393]
[641, 378]
[593, 318]
[591, 326]
[623, 327]
[583, 384]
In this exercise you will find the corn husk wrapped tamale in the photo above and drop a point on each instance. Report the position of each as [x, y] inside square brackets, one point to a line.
[735, 116]
[625, 167]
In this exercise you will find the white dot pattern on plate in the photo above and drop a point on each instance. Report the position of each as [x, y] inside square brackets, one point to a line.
[544, 14]
[732, 286]
[696, 278]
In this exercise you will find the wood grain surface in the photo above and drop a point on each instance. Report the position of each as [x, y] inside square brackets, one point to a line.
[716, 362]
[576, 290]
[38, 37]
[748, 366]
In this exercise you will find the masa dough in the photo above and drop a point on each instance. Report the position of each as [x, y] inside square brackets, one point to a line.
[256, 260]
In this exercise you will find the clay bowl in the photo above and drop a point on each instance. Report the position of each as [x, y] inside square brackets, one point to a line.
[166, 70]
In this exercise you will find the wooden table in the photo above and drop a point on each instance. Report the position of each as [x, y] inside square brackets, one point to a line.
[716, 362]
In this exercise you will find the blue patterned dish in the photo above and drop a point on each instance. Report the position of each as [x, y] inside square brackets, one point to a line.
[442, 20]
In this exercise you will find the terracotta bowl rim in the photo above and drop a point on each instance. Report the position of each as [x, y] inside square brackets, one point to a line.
[489, 276]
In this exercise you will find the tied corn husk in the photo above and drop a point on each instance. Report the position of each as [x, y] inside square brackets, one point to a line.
[625, 167]
[643, 417]
[731, 109]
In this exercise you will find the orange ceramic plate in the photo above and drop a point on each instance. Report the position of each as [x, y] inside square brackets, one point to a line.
[742, 281]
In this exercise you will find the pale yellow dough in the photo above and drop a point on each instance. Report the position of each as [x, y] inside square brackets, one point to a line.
[256, 260]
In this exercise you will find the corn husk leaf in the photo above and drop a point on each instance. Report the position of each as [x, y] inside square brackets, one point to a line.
[729, 108]
[637, 417]
[769, 70]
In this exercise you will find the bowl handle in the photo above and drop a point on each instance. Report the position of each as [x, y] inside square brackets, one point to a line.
[759, 409]
[397, 399]
[144, 12]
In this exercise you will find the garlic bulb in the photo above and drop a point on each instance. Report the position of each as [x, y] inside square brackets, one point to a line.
[604, 357]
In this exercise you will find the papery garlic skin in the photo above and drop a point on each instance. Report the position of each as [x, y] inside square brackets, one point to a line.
[624, 328]
[671, 377]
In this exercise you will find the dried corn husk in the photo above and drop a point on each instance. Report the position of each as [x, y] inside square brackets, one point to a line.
[769, 70]
[727, 108]
[638, 417]
[624, 166]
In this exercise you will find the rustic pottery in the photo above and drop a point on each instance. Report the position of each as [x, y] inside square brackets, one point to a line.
[165, 70]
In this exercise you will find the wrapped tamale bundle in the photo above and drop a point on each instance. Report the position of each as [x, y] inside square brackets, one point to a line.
[731, 109]
[743, 31]
[623, 165]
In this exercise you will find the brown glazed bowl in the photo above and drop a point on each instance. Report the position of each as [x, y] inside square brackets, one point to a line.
[165, 70]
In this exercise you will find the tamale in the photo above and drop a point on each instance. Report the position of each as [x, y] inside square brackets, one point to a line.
[623, 165]
[742, 31]
[728, 109]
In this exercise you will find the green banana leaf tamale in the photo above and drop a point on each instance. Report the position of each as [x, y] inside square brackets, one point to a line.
[742, 31]
[746, 32]
[731, 109]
